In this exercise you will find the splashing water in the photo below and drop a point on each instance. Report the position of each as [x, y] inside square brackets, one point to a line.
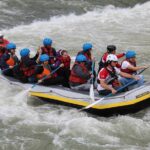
[22, 97]
[46, 126]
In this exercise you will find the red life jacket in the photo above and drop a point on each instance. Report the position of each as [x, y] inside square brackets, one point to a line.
[104, 58]
[86, 54]
[50, 52]
[129, 70]
[113, 78]
[88, 57]
[27, 70]
[75, 78]
[118, 65]
[66, 61]
[4, 43]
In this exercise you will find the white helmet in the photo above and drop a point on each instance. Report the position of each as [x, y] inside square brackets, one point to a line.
[111, 57]
[1, 35]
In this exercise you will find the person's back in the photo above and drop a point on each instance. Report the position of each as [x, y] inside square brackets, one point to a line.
[80, 75]
[63, 59]
[111, 49]
[27, 66]
[44, 73]
[9, 60]
[49, 50]
[86, 51]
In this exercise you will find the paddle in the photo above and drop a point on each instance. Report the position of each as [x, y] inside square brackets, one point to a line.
[1, 71]
[92, 87]
[118, 90]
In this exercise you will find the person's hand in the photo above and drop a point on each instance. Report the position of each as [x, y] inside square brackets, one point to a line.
[39, 81]
[146, 66]
[92, 76]
[113, 91]
[94, 59]
[61, 65]
[10, 67]
[136, 77]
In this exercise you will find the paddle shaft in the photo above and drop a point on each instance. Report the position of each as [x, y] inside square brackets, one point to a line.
[93, 66]
[8, 68]
[92, 86]
[13, 67]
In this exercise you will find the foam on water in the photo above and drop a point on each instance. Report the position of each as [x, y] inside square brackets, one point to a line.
[58, 127]
[128, 28]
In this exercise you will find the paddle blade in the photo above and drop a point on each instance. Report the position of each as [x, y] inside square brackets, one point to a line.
[1, 71]
[94, 103]
[92, 93]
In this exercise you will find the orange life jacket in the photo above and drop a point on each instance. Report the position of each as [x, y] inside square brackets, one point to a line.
[10, 61]
[45, 72]
[75, 78]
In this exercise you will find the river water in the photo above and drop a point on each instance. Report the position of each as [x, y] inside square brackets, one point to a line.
[26, 123]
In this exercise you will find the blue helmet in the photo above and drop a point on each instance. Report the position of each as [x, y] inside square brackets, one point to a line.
[44, 57]
[47, 41]
[130, 54]
[24, 52]
[10, 46]
[81, 58]
[87, 46]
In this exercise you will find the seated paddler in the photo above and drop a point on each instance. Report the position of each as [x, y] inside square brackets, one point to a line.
[108, 81]
[27, 65]
[129, 65]
[111, 49]
[9, 60]
[63, 59]
[80, 74]
[45, 75]
[87, 49]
